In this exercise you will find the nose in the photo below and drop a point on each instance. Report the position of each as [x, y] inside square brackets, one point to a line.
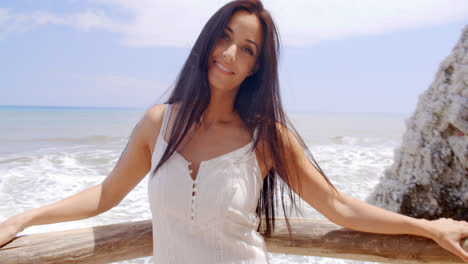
[230, 53]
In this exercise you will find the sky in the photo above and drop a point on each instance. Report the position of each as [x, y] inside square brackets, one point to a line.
[337, 55]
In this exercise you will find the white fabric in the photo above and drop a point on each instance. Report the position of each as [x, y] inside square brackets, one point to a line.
[216, 225]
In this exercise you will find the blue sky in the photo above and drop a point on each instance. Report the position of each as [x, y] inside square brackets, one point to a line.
[337, 56]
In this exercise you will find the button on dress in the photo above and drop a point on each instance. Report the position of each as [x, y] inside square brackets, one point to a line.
[210, 219]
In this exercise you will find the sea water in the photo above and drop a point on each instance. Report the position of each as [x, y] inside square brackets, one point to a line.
[48, 153]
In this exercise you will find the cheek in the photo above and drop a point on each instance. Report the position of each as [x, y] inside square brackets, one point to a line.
[246, 68]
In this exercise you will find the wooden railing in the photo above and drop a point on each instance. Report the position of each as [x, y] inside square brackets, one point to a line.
[105, 244]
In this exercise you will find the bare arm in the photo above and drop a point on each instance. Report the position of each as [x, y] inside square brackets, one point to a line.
[133, 165]
[354, 214]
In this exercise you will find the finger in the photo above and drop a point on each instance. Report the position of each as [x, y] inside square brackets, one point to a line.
[459, 251]
[464, 243]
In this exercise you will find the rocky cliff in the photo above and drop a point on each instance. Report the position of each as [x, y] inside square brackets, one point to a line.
[429, 176]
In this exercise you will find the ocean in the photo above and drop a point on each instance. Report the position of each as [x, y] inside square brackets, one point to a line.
[49, 153]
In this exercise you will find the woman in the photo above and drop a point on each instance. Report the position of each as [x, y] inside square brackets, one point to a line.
[215, 152]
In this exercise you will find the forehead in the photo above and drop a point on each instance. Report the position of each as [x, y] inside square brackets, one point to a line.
[247, 26]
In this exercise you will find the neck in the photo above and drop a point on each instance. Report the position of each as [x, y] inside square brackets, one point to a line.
[221, 107]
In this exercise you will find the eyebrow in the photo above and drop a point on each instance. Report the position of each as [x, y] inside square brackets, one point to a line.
[248, 40]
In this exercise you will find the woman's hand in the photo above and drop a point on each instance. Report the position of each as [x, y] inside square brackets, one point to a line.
[449, 234]
[9, 228]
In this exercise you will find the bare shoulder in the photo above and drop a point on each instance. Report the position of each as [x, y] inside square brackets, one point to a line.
[290, 146]
[285, 135]
[291, 143]
[150, 124]
[155, 114]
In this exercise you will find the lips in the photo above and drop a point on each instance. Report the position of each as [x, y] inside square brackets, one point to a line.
[222, 68]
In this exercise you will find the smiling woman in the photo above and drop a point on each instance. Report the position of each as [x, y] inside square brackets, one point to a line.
[235, 53]
[220, 152]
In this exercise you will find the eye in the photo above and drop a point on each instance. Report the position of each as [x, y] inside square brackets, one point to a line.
[224, 36]
[248, 50]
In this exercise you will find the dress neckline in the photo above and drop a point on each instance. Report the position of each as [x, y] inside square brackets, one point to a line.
[224, 156]
[232, 155]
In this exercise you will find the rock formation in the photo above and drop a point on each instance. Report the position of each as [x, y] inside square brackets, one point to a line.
[429, 175]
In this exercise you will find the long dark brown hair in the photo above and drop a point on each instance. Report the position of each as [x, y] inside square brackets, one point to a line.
[192, 95]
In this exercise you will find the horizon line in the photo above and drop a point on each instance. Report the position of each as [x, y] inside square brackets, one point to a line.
[72, 106]
[143, 108]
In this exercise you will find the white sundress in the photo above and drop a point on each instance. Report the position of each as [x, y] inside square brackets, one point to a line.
[210, 219]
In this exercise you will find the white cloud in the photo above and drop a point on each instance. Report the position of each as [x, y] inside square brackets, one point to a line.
[10, 23]
[13, 21]
[301, 22]
[94, 20]
[310, 21]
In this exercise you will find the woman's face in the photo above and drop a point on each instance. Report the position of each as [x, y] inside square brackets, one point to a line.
[234, 55]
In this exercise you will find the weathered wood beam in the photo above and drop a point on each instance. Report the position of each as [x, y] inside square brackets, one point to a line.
[105, 244]
[100, 244]
[325, 239]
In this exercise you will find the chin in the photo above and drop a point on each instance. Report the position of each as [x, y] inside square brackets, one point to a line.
[218, 83]
[222, 86]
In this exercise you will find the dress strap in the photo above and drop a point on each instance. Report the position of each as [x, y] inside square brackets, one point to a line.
[162, 131]
[255, 134]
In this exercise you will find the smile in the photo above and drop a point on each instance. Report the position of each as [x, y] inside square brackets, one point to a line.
[222, 68]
